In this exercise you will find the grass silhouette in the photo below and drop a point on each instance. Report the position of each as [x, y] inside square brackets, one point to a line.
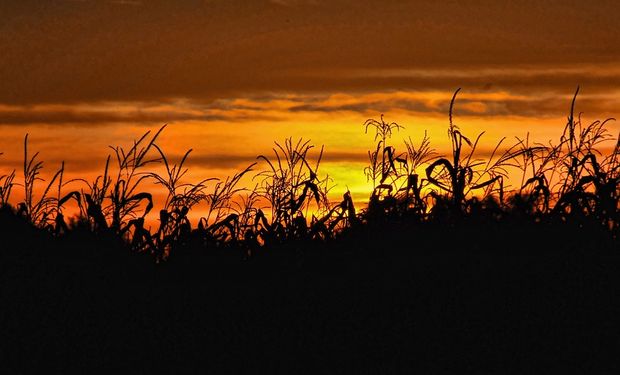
[568, 182]
[447, 269]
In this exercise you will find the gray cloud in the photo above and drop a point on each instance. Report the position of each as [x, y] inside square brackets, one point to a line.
[106, 115]
[274, 108]
[68, 116]
[536, 107]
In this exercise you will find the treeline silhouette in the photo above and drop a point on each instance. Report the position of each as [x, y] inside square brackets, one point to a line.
[567, 192]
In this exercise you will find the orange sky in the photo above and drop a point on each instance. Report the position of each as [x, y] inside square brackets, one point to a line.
[230, 77]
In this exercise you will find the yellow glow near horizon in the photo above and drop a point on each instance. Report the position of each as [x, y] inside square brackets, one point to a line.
[234, 132]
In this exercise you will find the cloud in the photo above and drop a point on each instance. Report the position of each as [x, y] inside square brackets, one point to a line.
[477, 104]
[277, 108]
[93, 117]
[123, 113]
[56, 52]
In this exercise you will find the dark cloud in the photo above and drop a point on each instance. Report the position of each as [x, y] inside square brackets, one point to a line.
[107, 115]
[508, 105]
[527, 80]
[278, 108]
[71, 51]
[69, 116]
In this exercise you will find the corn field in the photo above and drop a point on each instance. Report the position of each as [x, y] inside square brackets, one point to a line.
[569, 181]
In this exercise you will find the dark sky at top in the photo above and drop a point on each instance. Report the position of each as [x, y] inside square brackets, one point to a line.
[64, 51]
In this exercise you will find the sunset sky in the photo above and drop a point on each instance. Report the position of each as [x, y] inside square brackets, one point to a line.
[231, 77]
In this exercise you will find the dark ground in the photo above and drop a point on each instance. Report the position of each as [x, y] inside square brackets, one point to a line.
[339, 309]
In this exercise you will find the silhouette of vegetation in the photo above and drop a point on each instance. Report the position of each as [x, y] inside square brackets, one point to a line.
[6, 185]
[291, 186]
[462, 175]
[571, 182]
[279, 268]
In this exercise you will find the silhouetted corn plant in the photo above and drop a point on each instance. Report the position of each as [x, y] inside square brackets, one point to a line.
[37, 211]
[289, 185]
[174, 224]
[397, 186]
[125, 199]
[222, 223]
[382, 168]
[410, 195]
[92, 209]
[463, 174]
[336, 219]
[44, 212]
[567, 179]
[113, 204]
[6, 185]
[587, 186]
[534, 162]
[60, 225]
[246, 208]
